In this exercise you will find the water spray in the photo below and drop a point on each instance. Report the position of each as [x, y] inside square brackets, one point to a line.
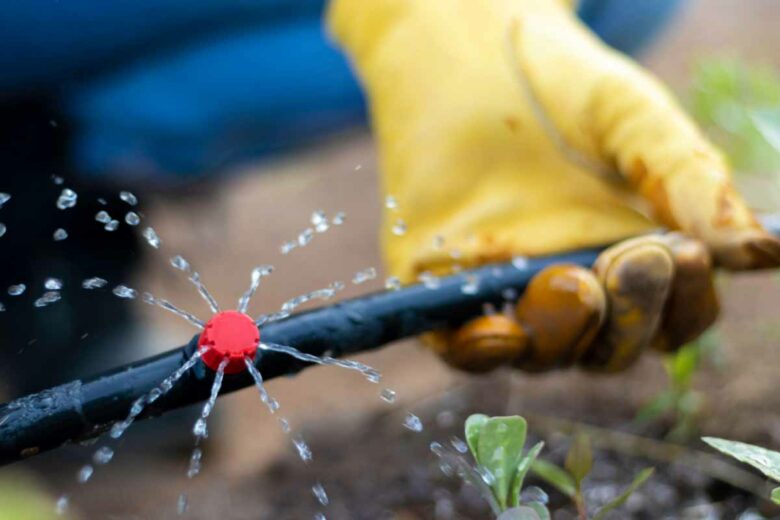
[85, 409]
[250, 351]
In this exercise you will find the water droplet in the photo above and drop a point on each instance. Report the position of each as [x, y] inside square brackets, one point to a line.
[124, 291]
[118, 429]
[152, 238]
[200, 429]
[520, 262]
[102, 201]
[392, 283]
[132, 218]
[195, 463]
[430, 280]
[56, 179]
[59, 235]
[437, 448]
[391, 202]
[67, 199]
[138, 406]
[103, 217]
[458, 444]
[413, 423]
[438, 242]
[93, 283]
[534, 494]
[128, 197]
[16, 290]
[364, 275]
[103, 455]
[261, 271]
[3, 229]
[287, 247]
[358, 167]
[388, 395]
[339, 218]
[53, 284]
[486, 476]
[2, 307]
[304, 452]
[85, 473]
[111, 226]
[319, 221]
[180, 263]
[4, 197]
[61, 506]
[47, 298]
[399, 228]
[509, 294]
[319, 516]
[305, 237]
[320, 493]
[471, 285]
[181, 505]
[154, 395]
[285, 425]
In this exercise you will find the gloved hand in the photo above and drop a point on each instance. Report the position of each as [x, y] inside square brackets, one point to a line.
[506, 128]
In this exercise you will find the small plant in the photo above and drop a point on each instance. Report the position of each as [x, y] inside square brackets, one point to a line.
[680, 400]
[737, 105]
[764, 460]
[569, 479]
[497, 444]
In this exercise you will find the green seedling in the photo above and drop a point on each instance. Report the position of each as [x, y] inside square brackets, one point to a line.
[497, 444]
[680, 400]
[764, 460]
[569, 479]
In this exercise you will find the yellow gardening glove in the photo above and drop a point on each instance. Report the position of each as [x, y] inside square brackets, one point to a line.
[506, 128]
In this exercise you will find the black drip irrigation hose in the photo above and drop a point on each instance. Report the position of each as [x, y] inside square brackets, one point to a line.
[81, 410]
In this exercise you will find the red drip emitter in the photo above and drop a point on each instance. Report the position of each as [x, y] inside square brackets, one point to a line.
[229, 335]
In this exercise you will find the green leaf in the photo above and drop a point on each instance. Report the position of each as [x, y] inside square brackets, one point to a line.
[664, 402]
[522, 469]
[775, 496]
[499, 450]
[555, 476]
[682, 365]
[579, 459]
[765, 461]
[639, 480]
[472, 428]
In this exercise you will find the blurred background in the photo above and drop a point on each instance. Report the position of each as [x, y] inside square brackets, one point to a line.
[232, 122]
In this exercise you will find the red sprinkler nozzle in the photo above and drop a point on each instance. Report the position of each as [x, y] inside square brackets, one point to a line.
[229, 335]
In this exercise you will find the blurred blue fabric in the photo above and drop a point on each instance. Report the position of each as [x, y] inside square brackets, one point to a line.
[183, 88]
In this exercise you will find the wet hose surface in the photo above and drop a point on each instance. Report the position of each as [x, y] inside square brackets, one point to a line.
[83, 409]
